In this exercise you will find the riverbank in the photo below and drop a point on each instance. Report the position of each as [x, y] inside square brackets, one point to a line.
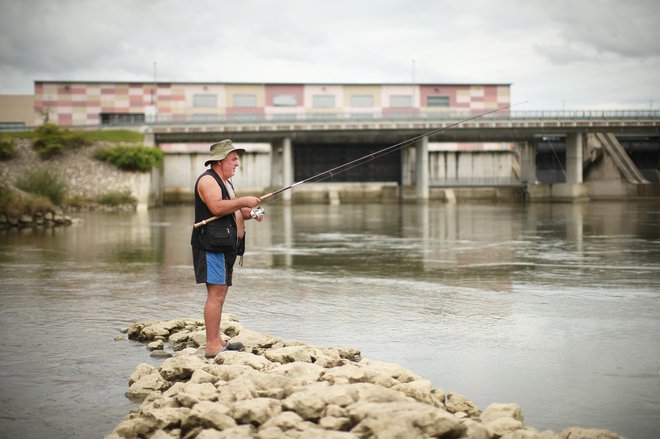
[91, 184]
[277, 388]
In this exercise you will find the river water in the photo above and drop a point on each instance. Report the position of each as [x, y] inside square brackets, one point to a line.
[553, 306]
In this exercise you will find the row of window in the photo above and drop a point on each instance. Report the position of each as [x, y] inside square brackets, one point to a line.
[140, 118]
[318, 101]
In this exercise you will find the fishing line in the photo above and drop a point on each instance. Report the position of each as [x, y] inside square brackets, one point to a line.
[367, 158]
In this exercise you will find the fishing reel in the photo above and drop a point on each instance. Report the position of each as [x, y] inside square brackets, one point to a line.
[257, 212]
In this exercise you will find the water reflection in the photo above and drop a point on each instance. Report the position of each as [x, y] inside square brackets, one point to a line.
[523, 303]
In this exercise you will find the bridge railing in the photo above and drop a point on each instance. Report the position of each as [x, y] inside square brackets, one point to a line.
[304, 117]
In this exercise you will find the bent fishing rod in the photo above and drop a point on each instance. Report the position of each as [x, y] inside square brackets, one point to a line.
[364, 159]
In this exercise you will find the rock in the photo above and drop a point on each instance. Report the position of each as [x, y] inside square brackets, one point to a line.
[192, 393]
[146, 384]
[530, 433]
[287, 420]
[155, 345]
[456, 402]
[357, 373]
[394, 370]
[254, 341]
[140, 371]
[290, 354]
[179, 338]
[421, 390]
[279, 388]
[503, 425]
[181, 368]
[166, 417]
[588, 433]
[208, 414]
[256, 411]
[119, 338]
[201, 376]
[160, 353]
[303, 373]
[403, 420]
[256, 362]
[308, 404]
[498, 410]
[136, 427]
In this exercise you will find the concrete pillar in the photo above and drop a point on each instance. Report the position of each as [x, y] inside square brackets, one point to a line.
[574, 188]
[422, 168]
[287, 167]
[149, 139]
[528, 162]
[574, 158]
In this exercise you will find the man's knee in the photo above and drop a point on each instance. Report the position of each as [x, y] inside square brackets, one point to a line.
[217, 292]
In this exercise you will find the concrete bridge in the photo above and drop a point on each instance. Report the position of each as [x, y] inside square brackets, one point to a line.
[444, 159]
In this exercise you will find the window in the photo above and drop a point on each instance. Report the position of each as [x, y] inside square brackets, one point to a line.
[400, 101]
[323, 101]
[362, 116]
[205, 117]
[285, 116]
[362, 101]
[121, 118]
[207, 100]
[437, 101]
[245, 100]
[246, 117]
[285, 100]
[322, 116]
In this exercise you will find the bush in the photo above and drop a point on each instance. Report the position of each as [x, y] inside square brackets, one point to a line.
[131, 158]
[14, 203]
[7, 149]
[116, 198]
[51, 140]
[44, 181]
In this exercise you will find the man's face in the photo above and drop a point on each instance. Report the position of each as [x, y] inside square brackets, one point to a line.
[229, 164]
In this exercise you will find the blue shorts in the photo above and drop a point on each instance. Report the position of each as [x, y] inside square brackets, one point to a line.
[213, 268]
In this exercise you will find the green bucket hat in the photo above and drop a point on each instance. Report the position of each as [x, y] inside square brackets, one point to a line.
[221, 150]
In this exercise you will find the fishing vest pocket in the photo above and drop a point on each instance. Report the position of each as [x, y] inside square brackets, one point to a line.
[218, 236]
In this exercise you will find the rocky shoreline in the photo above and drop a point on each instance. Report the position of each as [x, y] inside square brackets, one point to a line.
[52, 218]
[288, 389]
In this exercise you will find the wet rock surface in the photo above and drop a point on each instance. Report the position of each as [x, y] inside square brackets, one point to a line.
[287, 389]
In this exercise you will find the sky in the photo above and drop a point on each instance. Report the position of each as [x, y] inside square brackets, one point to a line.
[558, 55]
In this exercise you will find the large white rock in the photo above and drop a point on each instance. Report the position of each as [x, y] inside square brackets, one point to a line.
[500, 410]
[181, 367]
[256, 411]
[208, 414]
[409, 419]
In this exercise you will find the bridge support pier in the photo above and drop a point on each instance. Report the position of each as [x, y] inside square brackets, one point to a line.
[282, 166]
[422, 169]
[528, 162]
[574, 187]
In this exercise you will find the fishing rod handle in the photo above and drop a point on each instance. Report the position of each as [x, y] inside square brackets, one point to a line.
[203, 222]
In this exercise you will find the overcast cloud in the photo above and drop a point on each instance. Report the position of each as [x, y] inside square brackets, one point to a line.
[588, 54]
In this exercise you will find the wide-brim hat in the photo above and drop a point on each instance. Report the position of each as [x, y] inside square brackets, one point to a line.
[221, 150]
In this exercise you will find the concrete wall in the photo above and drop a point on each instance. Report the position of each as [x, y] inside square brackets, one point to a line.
[183, 163]
[17, 109]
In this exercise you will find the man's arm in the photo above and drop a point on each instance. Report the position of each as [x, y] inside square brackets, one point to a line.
[211, 195]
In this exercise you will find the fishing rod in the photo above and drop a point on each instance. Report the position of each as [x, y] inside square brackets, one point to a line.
[361, 160]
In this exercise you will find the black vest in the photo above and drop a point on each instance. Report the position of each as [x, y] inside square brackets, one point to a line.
[204, 237]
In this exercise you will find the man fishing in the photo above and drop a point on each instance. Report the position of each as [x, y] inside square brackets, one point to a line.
[217, 243]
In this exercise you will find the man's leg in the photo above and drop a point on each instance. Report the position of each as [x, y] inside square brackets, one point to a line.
[215, 299]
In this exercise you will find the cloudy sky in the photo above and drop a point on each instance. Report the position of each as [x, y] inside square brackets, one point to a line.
[560, 54]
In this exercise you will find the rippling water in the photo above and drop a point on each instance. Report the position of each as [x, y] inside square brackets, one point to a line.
[552, 306]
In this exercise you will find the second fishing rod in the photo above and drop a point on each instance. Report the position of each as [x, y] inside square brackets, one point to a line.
[359, 161]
